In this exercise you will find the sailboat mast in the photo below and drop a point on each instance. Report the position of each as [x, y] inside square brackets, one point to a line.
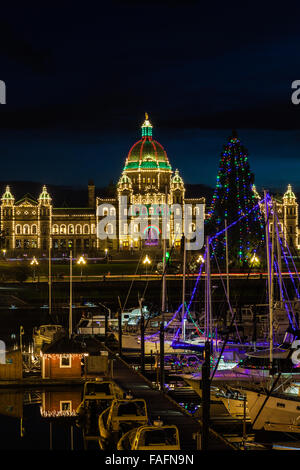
[208, 293]
[163, 297]
[278, 247]
[267, 223]
[70, 307]
[272, 288]
[183, 282]
[227, 270]
[50, 278]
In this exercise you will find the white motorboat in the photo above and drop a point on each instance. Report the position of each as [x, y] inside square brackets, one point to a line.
[93, 325]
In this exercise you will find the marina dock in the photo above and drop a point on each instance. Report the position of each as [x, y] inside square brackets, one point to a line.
[161, 405]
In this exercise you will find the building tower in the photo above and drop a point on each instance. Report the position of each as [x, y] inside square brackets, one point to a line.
[44, 219]
[290, 214]
[91, 194]
[7, 220]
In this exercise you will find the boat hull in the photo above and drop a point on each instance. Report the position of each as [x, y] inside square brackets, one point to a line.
[278, 413]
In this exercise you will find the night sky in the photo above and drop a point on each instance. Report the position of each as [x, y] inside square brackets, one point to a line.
[80, 78]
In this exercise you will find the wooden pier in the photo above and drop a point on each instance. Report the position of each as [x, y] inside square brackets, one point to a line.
[161, 405]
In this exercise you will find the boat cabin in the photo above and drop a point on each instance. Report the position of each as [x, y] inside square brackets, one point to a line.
[45, 334]
[151, 438]
[91, 326]
[120, 417]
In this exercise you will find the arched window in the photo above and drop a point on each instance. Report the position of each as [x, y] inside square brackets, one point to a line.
[112, 211]
[71, 229]
[191, 227]
[34, 229]
[78, 229]
[62, 229]
[93, 229]
[18, 229]
[86, 229]
[26, 229]
[105, 211]
[55, 228]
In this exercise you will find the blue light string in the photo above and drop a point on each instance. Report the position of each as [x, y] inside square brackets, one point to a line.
[286, 261]
[200, 271]
[282, 295]
[288, 251]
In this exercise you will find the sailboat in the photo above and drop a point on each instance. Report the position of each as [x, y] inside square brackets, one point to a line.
[47, 333]
[172, 326]
[278, 411]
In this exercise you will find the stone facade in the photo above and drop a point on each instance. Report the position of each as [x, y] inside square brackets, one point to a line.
[31, 226]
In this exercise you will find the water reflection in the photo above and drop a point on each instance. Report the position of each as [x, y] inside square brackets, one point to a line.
[42, 419]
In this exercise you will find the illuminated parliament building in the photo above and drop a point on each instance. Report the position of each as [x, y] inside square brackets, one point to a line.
[32, 225]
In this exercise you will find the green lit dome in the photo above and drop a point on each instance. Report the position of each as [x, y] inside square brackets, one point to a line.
[289, 194]
[125, 180]
[147, 153]
[44, 196]
[7, 196]
[176, 179]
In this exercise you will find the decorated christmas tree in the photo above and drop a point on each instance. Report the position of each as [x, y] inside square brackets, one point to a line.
[235, 199]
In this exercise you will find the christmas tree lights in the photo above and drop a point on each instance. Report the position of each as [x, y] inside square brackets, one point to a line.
[234, 196]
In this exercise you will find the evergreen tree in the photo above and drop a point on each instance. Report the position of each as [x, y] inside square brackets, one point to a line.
[233, 198]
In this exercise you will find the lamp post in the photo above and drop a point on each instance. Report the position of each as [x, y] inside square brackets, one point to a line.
[81, 262]
[146, 261]
[4, 252]
[34, 262]
[255, 261]
[107, 317]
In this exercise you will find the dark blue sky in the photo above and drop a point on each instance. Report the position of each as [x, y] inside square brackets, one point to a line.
[79, 79]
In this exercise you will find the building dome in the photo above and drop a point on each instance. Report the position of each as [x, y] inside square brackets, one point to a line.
[125, 180]
[44, 197]
[147, 153]
[289, 194]
[176, 179]
[7, 197]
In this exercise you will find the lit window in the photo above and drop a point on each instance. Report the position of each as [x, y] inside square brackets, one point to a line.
[65, 360]
[65, 406]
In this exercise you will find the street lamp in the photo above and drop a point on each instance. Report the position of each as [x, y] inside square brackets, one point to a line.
[34, 262]
[146, 261]
[4, 253]
[200, 259]
[255, 261]
[81, 262]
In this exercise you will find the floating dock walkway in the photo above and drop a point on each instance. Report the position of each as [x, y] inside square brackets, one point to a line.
[163, 406]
